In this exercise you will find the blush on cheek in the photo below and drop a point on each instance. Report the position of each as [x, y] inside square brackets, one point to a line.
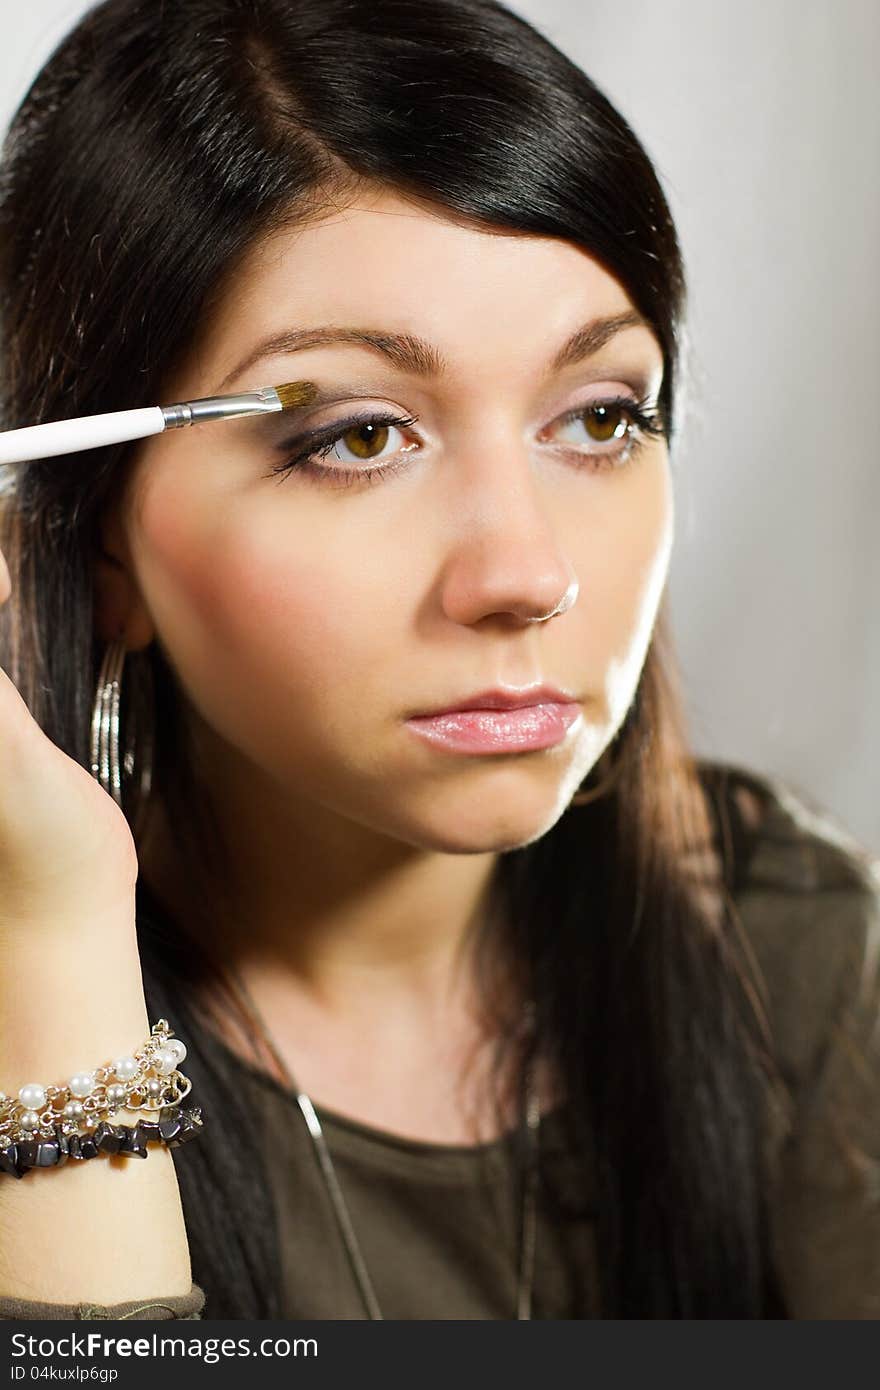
[271, 612]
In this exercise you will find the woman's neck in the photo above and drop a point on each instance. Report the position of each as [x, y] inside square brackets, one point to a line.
[377, 1007]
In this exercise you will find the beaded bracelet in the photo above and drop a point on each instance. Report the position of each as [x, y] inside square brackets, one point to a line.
[41, 1129]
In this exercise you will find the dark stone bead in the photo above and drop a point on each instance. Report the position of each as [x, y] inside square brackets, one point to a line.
[87, 1146]
[27, 1153]
[191, 1124]
[169, 1124]
[9, 1160]
[133, 1144]
[73, 1141]
[108, 1137]
[149, 1129]
[61, 1140]
[47, 1154]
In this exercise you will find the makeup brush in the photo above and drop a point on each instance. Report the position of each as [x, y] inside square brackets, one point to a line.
[93, 431]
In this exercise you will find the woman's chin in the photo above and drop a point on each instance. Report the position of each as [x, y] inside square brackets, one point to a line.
[490, 830]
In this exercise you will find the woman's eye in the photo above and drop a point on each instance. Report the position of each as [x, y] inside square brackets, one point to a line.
[601, 423]
[365, 442]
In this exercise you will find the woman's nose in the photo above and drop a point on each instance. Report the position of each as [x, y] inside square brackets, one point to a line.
[508, 554]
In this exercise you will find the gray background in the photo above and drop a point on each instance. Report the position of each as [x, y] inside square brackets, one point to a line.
[763, 120]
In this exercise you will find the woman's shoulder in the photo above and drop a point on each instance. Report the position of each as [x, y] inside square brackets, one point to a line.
[806, 895]
[781, 838]
[807, 898]
[798, 877]
[807, 905]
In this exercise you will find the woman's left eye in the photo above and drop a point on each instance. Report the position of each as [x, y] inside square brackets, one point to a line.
[620, 423]
[616, 428]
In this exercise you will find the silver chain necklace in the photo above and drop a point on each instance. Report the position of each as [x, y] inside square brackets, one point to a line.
[529, 1125]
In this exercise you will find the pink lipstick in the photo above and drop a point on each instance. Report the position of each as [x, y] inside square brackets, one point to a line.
[500, 721]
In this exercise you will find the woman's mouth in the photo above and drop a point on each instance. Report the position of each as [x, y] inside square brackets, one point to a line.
[516, 730]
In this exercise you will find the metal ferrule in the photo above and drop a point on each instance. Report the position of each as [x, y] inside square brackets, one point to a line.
[263, 402]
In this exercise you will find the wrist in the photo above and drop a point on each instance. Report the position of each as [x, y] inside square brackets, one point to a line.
[67, 1006]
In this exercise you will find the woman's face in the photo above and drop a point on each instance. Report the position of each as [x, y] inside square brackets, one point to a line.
[310, 614]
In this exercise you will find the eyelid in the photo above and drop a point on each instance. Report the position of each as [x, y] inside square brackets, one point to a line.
[366, 408]
[332, 428]
[609, 386]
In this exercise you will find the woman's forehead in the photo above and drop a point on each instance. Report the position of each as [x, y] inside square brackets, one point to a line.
[388, 266]
[376, 254]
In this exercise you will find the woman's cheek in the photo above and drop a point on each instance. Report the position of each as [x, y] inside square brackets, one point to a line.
[623, 568]
[291, 629]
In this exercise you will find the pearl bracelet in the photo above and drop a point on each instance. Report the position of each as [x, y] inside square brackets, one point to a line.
[45, 1126]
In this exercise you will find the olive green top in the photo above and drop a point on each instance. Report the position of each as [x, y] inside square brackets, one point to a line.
[437, 1223]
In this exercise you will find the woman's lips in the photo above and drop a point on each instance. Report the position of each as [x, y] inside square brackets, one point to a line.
[499, 730]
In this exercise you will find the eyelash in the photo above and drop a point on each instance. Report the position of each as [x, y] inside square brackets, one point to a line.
[644, 423]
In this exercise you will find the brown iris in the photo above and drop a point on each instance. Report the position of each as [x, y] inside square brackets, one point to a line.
[604, 422]
[363, 439]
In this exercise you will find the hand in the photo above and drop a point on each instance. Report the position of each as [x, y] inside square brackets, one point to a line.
[66, 850]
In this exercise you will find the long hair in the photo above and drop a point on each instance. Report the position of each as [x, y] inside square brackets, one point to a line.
[156, 145]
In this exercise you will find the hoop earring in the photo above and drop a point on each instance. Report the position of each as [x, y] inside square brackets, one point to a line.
[116, 775]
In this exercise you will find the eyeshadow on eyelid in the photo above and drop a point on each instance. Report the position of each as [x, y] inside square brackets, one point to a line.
[269, 428]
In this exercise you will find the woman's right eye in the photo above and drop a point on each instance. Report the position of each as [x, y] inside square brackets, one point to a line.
[365, 439]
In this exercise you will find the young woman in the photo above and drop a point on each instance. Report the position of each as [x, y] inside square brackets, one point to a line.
[497, 1015]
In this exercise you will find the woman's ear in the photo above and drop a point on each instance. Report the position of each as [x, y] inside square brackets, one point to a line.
[120, 611]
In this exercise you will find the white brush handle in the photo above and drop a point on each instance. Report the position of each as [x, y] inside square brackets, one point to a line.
[88, 432]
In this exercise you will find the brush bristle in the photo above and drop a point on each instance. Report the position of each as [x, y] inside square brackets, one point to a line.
[296, 394]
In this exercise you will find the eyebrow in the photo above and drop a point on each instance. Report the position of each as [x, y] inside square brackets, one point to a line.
[415, 355]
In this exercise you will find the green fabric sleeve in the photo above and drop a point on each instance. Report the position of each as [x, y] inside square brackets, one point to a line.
[184, 1305]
